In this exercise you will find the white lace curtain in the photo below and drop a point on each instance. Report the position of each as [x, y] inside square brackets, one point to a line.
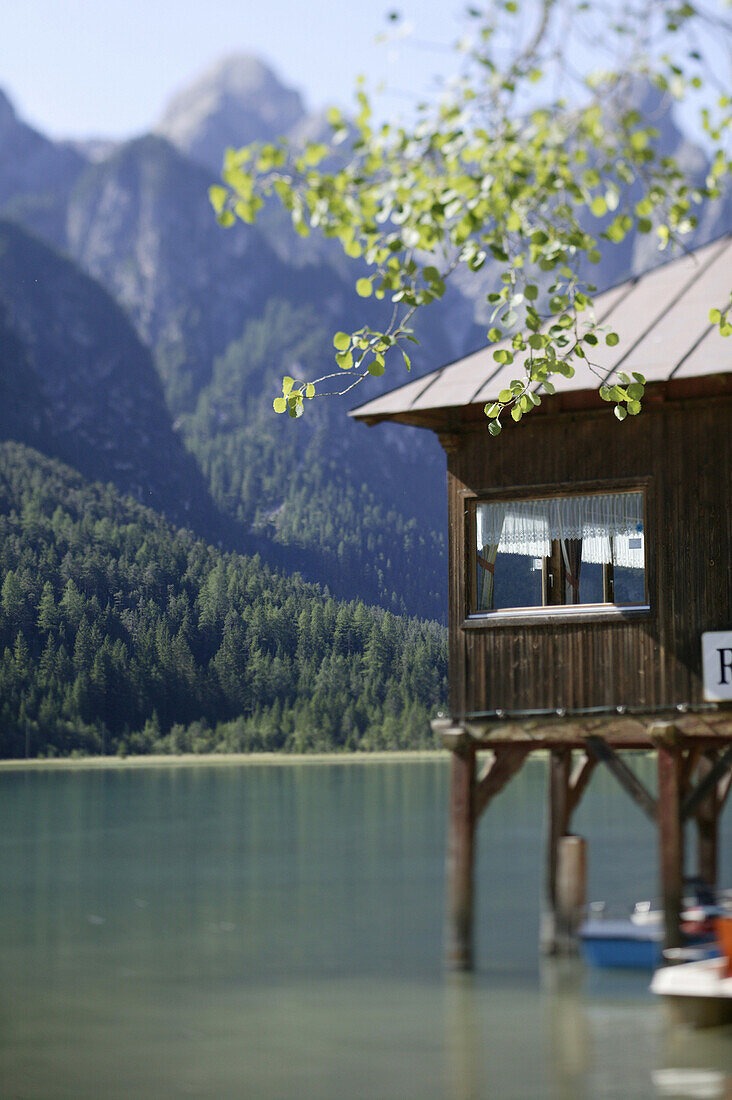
[610, 526]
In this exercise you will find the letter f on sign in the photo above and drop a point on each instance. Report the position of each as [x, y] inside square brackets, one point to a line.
[725, 664]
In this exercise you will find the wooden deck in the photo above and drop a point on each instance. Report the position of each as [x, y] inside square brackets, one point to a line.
[700, 728]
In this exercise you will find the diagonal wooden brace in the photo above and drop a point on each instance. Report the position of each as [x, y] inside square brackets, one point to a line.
[578, 781]
[506, 761]
[627, 778]
[694, 799]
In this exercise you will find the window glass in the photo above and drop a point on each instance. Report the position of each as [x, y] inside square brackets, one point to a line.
[559, 551]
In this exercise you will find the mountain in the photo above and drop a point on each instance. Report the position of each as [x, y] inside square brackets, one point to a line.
[77, 381]
[25, 414]
[225, 314]
[141, 224]
[235, 101]
[36, 174]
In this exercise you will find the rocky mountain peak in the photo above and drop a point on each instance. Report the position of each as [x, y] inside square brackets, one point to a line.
[237, 100]
[8, 117]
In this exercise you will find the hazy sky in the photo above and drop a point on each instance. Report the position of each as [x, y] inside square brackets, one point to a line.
[107, 67]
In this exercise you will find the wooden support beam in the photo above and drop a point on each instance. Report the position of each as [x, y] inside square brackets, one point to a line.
[627, 778]
[707, 821]
[703, 789]
[560, 765]
[507, 760]
[690, 761]
[461, 859]
[723, 790]
[671, 842]
[578, 781]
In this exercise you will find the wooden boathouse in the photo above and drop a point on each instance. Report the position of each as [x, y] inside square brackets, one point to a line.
[589, 564]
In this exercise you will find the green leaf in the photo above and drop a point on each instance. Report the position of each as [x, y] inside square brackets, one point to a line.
[598, 206]
[287, 384]
[494, 334]
[715, 316]
[226, 218]
[341, 341]
[494, 427]
[364, 288]
[344, 359]
[217, 197]
[621, 412]
[531, 292]
[279, 405]
[612, 339]
[310, 390]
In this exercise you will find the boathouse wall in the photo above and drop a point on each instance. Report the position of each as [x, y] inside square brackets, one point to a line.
[680, 453]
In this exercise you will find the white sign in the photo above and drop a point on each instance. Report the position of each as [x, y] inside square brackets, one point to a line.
[717, 665]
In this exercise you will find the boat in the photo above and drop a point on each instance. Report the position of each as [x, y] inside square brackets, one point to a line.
[636, 942]
[698, 993]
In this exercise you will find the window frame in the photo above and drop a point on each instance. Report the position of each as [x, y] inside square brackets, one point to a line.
[552, 614]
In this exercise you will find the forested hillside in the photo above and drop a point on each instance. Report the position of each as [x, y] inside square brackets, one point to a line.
[119, 633]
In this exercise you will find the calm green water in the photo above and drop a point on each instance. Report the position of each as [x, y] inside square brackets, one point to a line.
[276, 932]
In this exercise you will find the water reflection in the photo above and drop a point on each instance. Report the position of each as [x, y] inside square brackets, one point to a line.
[277, 932]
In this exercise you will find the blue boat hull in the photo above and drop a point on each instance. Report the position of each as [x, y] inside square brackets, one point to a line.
[628, 953]
[621, 943]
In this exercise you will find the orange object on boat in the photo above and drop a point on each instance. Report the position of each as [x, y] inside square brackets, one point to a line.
[723, 927]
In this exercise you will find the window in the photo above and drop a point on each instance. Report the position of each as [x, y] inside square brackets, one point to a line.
[558, 551]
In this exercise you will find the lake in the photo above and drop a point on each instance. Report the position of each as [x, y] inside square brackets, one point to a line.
[276, 931]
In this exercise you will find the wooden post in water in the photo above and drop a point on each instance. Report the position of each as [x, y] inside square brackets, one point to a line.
[671, 841]
[571, 893]
[461, 859]
[560, 764]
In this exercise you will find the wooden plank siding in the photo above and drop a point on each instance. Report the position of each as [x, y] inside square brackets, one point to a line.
[681, 453]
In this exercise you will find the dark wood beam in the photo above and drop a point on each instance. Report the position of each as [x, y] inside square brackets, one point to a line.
[707, 824]
[502, 768]
[578, 781]
[461, 859]
[671, 836]
[560, 764]
[704, 788]
[627, 778]
[690, 760]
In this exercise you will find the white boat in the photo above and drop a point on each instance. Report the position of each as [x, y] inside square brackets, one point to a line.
[698, 993]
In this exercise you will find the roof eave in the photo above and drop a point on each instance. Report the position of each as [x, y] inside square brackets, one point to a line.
[448, 418]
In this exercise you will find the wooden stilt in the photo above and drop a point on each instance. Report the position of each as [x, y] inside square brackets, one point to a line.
[671, 841]
[461, 859]
[707, 819]
[560, 766]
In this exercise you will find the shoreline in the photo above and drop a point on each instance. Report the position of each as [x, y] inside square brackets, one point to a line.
[212, 759]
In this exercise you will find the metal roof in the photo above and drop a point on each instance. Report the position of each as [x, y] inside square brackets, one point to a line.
[662, 318]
